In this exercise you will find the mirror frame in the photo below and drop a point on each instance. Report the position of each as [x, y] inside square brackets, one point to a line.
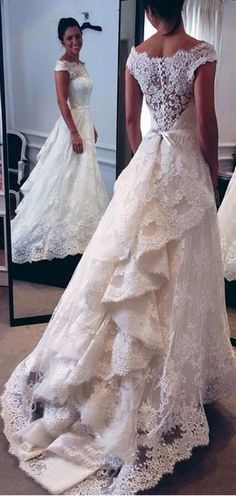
[139, 30]
[24, 320]
[7, 245]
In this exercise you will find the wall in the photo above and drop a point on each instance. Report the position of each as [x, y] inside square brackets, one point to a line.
[226, 85]
[31, 50]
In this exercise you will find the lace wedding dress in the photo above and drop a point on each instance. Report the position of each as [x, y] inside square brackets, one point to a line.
[64, 196]
[227, 225]
[112, 397]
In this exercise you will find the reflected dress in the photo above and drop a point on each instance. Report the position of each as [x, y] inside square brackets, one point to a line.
[227, 225]
[113, 395]
[64, 196]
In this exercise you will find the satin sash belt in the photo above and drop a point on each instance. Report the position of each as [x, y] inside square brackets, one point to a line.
[168, 136]
[80, 107]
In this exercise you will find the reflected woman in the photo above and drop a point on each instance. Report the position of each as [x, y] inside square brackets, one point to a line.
[227, 225]
[64, 196]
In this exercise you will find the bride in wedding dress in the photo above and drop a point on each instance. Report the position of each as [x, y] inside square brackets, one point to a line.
[227, 226]
[64, 196]
[113, 395]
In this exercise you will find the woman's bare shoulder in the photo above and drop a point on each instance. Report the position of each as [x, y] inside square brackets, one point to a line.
[146, 44]
[190, 41]
[156, 46]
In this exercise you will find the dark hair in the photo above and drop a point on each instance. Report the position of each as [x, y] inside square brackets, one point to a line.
[64, 24]
[170, 10]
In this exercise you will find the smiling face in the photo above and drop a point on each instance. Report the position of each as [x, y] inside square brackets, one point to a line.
[72, 41]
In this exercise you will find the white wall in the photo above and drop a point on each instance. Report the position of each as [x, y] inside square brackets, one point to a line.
[226, 85]
[31, 50]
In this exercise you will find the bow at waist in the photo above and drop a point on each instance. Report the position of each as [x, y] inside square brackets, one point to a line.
[169, 136]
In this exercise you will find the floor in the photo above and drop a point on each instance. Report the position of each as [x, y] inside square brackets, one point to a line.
[2, 257]
[34, 299]
[211, 470]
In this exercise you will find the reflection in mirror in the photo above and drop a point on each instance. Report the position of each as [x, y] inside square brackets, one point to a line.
[64, 197]
[61, 138]
[3, 236]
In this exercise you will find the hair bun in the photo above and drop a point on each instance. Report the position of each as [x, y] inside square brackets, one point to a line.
[166, 9]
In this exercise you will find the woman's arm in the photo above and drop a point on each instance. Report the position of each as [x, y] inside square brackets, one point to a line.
[62, 89]
[206, 118]
[133, 107]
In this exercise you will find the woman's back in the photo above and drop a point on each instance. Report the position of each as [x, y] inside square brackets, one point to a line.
[167, 81]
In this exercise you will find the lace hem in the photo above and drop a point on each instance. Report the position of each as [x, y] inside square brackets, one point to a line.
[51, 246]
[230, 275]
[128, 478]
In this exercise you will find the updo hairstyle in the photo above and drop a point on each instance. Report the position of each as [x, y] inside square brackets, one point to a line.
[168, 10]
[64, 24]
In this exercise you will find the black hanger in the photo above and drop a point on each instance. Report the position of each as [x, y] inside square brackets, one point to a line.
[87, 25]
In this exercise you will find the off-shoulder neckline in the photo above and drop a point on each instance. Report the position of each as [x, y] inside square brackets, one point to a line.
[166, 57]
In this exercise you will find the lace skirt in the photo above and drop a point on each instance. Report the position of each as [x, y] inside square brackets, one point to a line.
[64, 197]
[113, 395]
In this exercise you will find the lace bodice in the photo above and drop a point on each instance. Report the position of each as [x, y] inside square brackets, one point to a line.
[80, 83]
[167, 82]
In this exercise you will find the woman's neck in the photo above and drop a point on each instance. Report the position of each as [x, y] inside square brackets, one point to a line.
[71, 58]
[165, 28]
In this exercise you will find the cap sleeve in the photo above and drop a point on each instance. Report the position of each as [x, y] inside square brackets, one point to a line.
[62, 65]
[205, 52]
[131, 62]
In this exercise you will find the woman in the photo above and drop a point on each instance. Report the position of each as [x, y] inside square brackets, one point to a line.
[64, 196]
[114, 391]
[227, 225]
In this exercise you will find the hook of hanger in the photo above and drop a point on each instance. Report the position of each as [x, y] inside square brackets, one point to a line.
[86, 15]
[87, 24]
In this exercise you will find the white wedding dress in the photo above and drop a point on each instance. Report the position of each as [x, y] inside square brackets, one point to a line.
[112, 397]
[64, 196]
[227, 225]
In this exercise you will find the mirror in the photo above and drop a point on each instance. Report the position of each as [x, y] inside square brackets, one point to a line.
[32, 110]
[3, 248]
[52, 190]
[56, 196]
